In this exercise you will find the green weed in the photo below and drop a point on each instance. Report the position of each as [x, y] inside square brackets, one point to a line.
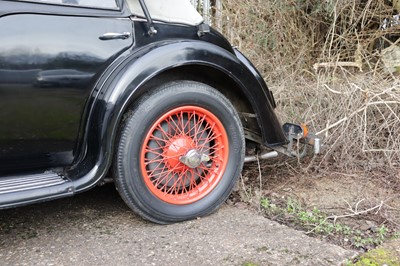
[318, 223]
[250, 264]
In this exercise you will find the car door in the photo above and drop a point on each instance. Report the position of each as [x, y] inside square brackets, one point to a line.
[51, 55]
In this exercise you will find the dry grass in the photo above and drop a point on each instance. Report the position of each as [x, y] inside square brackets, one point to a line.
[357, 113]
[275, 35]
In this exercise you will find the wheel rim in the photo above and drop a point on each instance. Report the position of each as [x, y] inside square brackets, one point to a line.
[184, 155]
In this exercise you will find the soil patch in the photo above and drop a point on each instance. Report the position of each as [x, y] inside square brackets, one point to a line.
[358, 211]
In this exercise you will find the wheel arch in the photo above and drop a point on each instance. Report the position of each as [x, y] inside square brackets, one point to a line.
[213, 77]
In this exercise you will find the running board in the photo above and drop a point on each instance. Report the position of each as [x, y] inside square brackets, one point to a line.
[22, 190]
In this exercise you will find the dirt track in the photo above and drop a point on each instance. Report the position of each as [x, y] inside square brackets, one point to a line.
[96, 228]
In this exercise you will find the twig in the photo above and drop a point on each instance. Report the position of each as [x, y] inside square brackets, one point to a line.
[356, 112]
[334, 91]
[337, 64]
[332, 126]
[244, 186]
[260, 178]
[354, 212]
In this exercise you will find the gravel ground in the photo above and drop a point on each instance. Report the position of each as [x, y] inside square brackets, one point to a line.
[96, 228]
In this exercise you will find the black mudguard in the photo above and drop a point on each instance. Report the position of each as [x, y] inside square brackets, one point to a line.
[123, 85]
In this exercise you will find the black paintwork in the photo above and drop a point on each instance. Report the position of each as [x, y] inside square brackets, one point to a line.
[63, 91]
[48, 67]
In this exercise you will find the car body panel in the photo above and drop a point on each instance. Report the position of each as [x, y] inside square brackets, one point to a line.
[46, 76]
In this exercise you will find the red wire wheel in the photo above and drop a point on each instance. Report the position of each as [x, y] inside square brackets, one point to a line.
[184, 155]
[180, 151]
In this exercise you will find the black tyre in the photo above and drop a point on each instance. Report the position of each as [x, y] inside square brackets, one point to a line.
[179, 153]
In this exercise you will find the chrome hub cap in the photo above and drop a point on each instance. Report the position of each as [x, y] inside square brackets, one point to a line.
[194, 158]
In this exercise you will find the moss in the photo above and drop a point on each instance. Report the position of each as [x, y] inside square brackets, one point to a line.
[262, 249]
[378, 257]
[250, 264]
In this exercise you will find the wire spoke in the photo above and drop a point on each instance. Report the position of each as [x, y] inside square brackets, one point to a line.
[180, 130]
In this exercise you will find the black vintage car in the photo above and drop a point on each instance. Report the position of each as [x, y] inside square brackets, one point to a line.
[141, 91]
